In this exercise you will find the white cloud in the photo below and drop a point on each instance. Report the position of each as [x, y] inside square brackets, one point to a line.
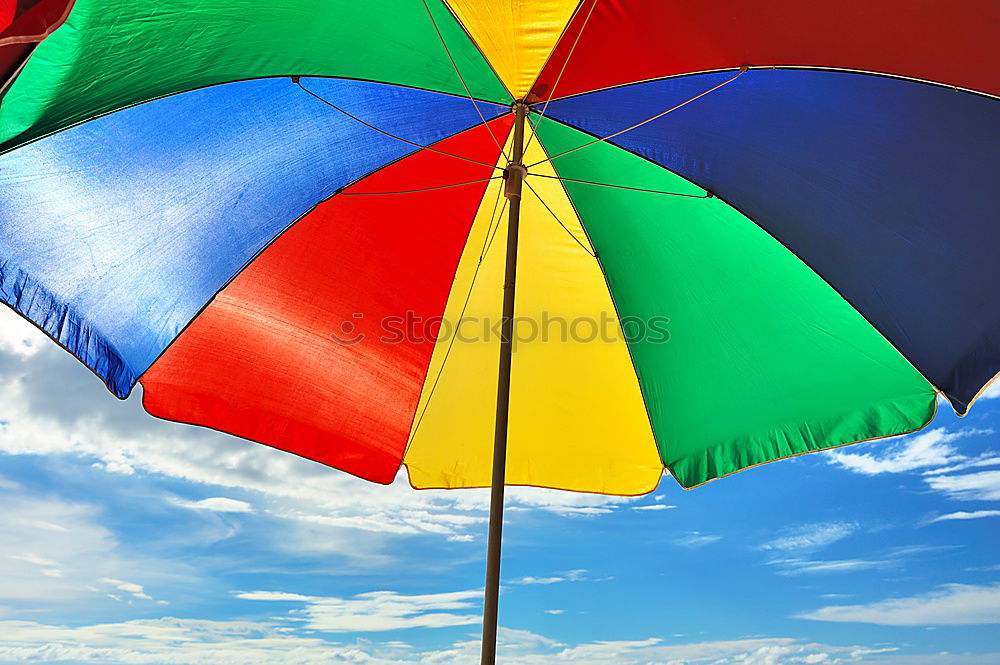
[275, 595]
[217, 504]
[952, 604]
[128, 587]
[993, 392]
[986, 459]
[538, 580]
[940, 658]
[56, 553]
[556, 612]
[176, 641]
[981, 486]
[18, 336]
[31, 557]
[810, 536]
[578, 575]
[917, 451]
[932, 453]
[696, 539]
[890, 557]
[557, 501]
[761, 651]
[654, 506]
[378, 611]
[50, 405]
[809, 567]
[962, 515]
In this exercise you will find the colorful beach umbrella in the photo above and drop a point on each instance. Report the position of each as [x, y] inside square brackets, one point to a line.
[738, 232]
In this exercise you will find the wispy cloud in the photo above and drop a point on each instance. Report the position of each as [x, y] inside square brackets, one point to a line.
[754, 651]
[19, 337]
[983, 460]
[379, 611]
[696, 539]
[812, 567]
[810, 536]
[888, 558]
[216, 504]
[981, 486]
[204, 642]
[918, 451]
[931, 453]
[282, 596]
[538, 580]
[952, 604]
[654, 506]
[131, 588]
[579, 575]
[52, 406]
[790, 547]
[58, 553]
[962, 515]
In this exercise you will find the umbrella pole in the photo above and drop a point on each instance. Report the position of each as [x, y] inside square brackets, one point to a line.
[514, 177]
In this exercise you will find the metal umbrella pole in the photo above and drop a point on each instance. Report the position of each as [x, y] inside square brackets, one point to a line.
[514, 177]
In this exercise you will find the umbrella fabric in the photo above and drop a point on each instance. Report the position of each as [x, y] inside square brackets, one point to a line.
[749, 230]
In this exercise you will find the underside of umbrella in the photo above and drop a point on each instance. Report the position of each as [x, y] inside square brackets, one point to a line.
[740, 232]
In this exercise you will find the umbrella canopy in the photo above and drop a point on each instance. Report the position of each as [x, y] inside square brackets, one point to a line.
[740, 231]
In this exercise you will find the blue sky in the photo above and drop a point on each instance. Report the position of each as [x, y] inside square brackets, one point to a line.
[132, 540]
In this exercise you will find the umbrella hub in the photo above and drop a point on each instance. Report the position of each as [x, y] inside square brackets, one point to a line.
[513, 177]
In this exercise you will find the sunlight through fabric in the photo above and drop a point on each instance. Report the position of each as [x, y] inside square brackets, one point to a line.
[574, 392]
[754, 333]
[293, 352]
[516, 37]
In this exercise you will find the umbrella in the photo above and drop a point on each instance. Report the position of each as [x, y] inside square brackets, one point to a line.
[738, 232]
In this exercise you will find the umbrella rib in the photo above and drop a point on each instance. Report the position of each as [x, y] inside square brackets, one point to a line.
[298, 82]
[556, 217]
[494, 226]
[602, 139]
[707, 195]
[559, 77]
[461, 78]
[493, 235]
[487, 242]
[433, 188]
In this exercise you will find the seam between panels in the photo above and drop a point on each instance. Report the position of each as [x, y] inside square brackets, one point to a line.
[240, 271]
[411, 434]
[479, 50]
[753, 221]
[6, 146]
[33, 41]
[5, 86]
[556, 43]
[282, 232]
[27, 39]
[815, 68]
[614, 303]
